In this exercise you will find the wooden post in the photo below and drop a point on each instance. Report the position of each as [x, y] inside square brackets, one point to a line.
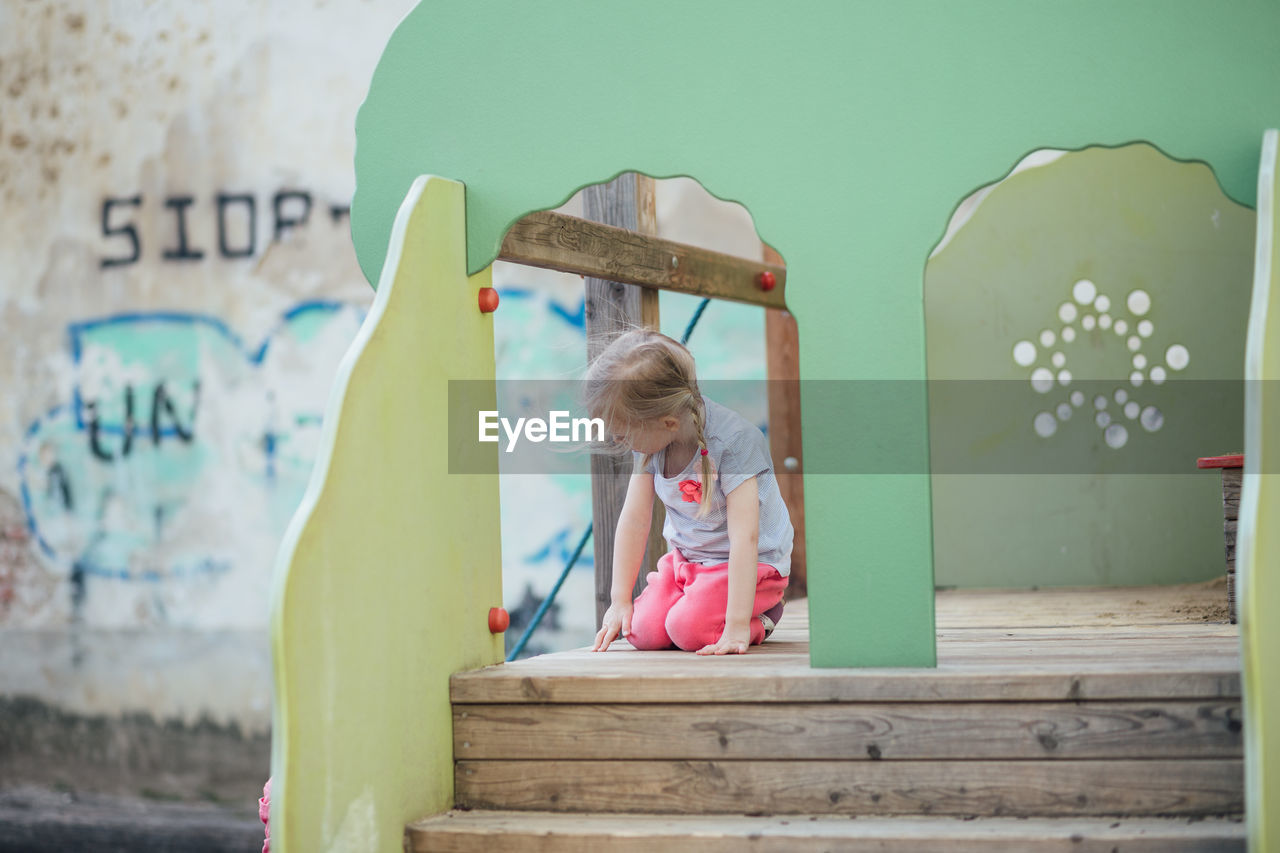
[625, 202]
[647, 224]
[782, 354]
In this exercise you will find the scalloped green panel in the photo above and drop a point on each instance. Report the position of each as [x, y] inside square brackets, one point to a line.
[850, 131]
[1047, 359]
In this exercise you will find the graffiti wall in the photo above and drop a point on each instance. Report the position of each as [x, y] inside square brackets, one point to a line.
[177, 286]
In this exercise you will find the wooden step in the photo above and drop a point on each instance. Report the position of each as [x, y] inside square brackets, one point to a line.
[1194, 787]
[1041, 718]
[856, 731]
[974, 665]
[535, 832]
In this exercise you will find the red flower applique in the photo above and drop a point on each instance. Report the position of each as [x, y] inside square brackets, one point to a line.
[692, 491]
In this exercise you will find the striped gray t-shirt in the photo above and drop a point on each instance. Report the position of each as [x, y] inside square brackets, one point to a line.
[738, 452]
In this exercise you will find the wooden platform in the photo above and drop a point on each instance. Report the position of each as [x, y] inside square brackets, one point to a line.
[1065, 705]
[1075, 644]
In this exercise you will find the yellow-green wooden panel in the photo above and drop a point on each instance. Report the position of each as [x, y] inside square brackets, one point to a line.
[1258, 542]
[389, 568]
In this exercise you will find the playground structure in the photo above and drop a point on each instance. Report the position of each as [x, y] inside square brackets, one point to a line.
[388, 571]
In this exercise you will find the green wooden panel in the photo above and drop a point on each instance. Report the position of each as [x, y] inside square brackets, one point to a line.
[1258, 542]
[389, 568]
[1082, 504]
[849, 130]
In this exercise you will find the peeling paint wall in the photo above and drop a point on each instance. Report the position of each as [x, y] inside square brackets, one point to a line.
[177, 286]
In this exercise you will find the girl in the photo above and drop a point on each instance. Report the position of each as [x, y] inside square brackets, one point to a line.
[720, 587]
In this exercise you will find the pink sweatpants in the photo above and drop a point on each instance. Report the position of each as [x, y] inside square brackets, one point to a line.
[683, 604]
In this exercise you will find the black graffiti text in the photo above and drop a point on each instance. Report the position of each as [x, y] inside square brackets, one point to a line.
[165, 422]
[235, 225]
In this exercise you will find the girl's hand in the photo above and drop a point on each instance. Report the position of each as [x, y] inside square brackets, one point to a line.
[616, 623]
[732, 642]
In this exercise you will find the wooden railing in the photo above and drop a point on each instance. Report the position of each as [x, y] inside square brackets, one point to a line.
[567, 243]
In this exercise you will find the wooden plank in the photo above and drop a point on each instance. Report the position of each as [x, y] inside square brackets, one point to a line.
[561, 242]
[483, 831]
[782, 365]
[1074, 606]
[997, 788]
[1093, 632]
[1045, 659]
[1154, 654]
[1077, 610]
[853, 731]
[1136, 649]
[1151, 611]
[782, 679]
[611, 308]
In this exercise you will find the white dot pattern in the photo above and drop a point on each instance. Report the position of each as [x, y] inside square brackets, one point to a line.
[1093, 308]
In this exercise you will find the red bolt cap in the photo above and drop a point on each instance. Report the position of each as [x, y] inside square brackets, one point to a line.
[768, 280]
[499, 620]
[488, 300]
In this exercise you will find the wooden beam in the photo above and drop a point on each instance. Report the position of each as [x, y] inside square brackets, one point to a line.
[782, 361]
[560, 242]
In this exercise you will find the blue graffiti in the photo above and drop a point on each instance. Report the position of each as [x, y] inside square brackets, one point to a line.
[576, 319]
[559, 547]
[178, 438]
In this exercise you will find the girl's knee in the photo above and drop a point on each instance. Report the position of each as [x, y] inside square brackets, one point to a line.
[648, 637]
[691, 634]
[647, 631]
[650, 642]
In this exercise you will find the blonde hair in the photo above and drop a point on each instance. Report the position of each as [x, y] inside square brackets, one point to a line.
[641, 377]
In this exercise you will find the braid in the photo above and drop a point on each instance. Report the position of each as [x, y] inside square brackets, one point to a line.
[704, 506]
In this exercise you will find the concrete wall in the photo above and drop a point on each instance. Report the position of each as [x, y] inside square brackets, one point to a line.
[177, 286]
